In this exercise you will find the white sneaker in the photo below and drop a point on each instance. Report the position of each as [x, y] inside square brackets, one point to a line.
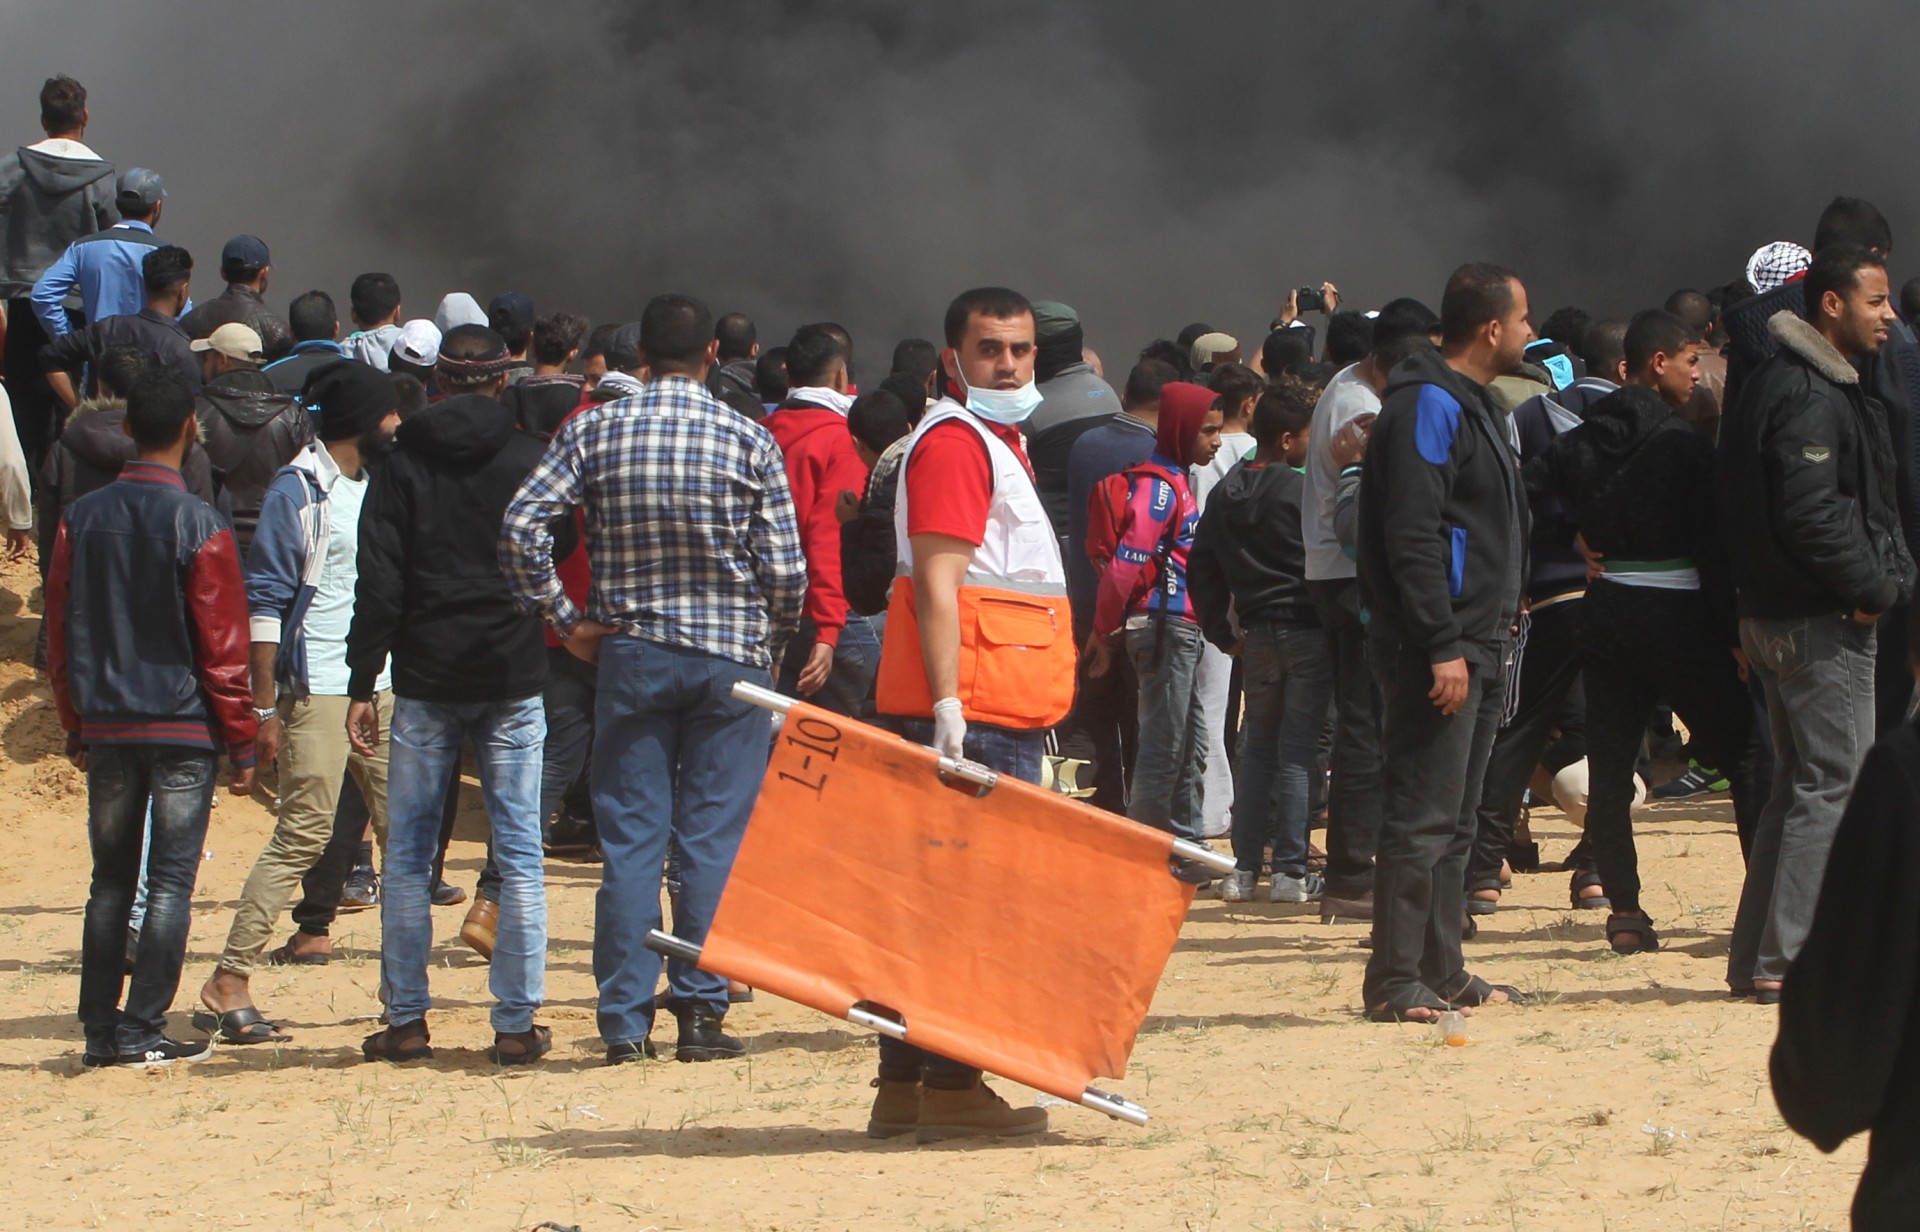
[1237, 887]
[1290, 889]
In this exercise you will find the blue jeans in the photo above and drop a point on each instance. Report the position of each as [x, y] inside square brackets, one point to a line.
[425, 751]
[121, 781]
[1015, 753]
[856, 664]
[1171, 765]
[1288, 684]
[568, 700]
[1818, 675]
[677, 762]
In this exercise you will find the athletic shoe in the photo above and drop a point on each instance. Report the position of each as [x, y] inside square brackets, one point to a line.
[1287, 888]
[164, 1052]
[448, 895]
[361, 891]
[1697, 781]
[1237, 887]
[101, 1060]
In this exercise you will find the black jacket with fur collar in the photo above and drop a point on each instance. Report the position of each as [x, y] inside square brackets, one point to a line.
[1808, 494]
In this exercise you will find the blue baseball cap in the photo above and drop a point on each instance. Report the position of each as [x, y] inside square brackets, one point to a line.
[248, 250]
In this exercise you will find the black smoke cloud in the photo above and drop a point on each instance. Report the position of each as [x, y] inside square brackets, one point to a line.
[1151, 164]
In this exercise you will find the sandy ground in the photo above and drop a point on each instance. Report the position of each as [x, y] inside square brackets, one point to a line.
[1632, 1096]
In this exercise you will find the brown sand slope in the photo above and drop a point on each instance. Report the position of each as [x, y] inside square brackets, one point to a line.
[1633, 1097]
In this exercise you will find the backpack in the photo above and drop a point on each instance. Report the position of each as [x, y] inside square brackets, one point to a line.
[1107, 521]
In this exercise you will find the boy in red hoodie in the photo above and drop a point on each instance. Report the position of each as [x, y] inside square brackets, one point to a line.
[833, 660]
[1145, 589]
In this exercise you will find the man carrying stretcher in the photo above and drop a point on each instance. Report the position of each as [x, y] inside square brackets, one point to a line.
[978, 659]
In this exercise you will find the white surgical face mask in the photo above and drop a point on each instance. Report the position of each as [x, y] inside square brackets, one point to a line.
[1003, 406]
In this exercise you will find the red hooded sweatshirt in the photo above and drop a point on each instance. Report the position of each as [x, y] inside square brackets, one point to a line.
[821, 463]
[1157, 512]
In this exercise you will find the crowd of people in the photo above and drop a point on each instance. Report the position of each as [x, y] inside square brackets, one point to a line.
[1400, 582]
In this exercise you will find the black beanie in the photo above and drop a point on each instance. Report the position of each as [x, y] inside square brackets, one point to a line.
[349, 399]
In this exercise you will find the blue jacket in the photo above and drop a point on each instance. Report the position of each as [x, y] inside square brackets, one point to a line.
[104, 268]
[284, 564]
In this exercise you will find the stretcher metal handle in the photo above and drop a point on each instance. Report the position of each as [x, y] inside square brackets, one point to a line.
[951, 768]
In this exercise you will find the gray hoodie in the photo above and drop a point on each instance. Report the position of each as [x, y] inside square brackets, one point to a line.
[46, 203]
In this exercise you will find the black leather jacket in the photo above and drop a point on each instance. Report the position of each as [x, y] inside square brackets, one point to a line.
[250, 430]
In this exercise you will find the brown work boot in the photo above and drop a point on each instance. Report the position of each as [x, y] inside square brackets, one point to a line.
[896, 1109]
[477, 929]
[974, 1112]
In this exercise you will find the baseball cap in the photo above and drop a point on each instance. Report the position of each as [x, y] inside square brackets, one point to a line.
[234, 340]
[418, 343]
[245, 250]
[1774, 265]
[1051, 318]
[140, 189]
[508, 310]
[1206, 346]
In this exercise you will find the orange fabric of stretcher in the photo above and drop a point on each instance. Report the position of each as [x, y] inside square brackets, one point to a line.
[1020, 932]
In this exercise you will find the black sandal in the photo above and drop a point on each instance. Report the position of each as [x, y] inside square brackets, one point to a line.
[406, 1042]
[1478, 992]
[1586, 881]
[530, 1045]
[1484, 906]
[245, 1025]
[1632, 924]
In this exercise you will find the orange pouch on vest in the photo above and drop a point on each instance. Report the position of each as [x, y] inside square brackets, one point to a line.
[1016, 658]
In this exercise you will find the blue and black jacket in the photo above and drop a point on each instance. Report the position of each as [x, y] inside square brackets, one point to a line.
[1443, 517]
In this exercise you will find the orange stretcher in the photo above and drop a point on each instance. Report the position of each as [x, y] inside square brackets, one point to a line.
[932, 900]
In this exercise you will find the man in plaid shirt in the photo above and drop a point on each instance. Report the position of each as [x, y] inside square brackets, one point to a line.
[697, 583]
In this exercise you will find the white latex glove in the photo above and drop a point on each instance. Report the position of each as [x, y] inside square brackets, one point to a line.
[949, 728]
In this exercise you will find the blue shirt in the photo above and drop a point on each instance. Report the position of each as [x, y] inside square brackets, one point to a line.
[105, 269]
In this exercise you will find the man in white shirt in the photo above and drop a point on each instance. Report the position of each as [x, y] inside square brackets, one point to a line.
[301, 574]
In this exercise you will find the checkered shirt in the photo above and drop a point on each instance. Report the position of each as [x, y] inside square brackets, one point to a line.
[690, 525]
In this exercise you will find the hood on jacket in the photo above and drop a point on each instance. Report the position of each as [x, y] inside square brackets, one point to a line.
[95, 432]
[1617, 423]
[465, 430]
[792, 424]
[1792, 331]
[1428, 368]
[57, 176]
[247, 397]
[1183, 408]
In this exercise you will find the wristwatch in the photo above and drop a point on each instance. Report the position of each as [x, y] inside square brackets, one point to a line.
[263, 713]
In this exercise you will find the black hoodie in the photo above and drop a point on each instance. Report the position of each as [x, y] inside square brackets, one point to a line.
[1443, 520]
[1637, 483]
[430, 591]
[1248, 554]
[46, 203]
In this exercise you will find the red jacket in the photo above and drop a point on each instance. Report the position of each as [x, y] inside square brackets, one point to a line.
[574, 570]
[147, 633]
[821, 463]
